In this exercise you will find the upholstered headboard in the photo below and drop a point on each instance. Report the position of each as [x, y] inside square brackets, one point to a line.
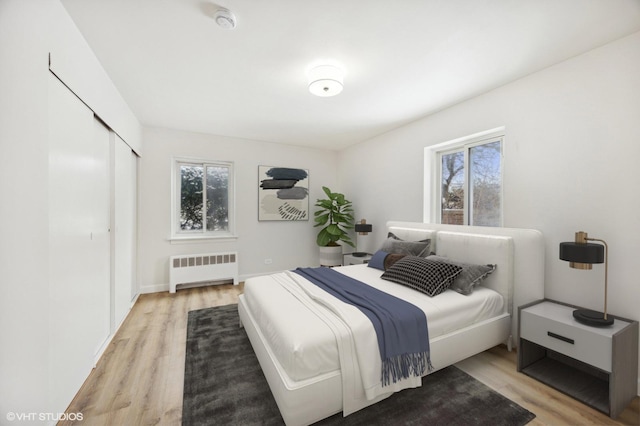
[518, 254]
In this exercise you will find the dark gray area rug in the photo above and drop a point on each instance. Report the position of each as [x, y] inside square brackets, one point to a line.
[224, 385]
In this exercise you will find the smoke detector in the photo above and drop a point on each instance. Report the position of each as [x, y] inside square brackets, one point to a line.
[225, 19]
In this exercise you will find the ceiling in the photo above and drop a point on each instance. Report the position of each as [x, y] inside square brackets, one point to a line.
[404, 60]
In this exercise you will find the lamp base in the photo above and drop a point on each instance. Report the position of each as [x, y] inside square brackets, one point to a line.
[359, 254]
[592, 318]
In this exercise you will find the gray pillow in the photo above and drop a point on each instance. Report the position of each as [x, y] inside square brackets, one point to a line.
[394, 244]
[421, 274]
[470, 276]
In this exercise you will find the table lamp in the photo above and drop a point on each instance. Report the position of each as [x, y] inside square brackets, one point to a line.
[362, 228]
[582, 254]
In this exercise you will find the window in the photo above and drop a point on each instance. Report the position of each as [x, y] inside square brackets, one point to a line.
[202, 199]
[467, 180]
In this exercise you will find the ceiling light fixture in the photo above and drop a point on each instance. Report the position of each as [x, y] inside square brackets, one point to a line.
[325, 80]
[225, 19]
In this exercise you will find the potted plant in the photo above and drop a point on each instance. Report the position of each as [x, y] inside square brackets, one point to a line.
[335, 216]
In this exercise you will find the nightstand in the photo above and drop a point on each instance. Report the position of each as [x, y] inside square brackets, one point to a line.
[597, 366]
[350, 259]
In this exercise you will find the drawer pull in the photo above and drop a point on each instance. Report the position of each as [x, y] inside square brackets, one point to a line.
[559, 337]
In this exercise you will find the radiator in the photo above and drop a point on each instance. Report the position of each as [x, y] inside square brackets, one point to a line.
[194, 268]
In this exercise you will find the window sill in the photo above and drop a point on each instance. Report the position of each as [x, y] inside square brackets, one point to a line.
[182, 239]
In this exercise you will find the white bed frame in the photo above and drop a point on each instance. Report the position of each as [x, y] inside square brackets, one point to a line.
[519, 277]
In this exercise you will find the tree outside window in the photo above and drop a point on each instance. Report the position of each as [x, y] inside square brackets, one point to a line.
[204, 197]
[471, 184]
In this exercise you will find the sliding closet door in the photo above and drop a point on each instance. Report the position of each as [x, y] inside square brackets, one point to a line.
[78, 241]
[101, 239]
[124, 241]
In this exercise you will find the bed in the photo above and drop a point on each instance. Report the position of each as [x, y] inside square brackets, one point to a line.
[315, 365]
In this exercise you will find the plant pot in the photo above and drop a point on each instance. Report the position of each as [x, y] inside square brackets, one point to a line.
[331, 256]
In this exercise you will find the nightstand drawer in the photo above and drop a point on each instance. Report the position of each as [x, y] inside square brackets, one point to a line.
[578, 343]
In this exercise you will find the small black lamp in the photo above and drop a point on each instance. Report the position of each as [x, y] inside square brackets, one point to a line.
[581, 254]
[362, 228]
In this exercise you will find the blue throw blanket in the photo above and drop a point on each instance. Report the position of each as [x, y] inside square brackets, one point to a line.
[401, 327]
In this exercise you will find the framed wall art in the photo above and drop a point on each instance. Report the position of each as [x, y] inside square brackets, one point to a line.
[283, 193]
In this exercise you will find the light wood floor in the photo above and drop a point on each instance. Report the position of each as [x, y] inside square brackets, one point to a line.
[139, 379]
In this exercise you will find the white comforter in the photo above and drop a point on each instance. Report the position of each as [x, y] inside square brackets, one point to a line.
[357, 343]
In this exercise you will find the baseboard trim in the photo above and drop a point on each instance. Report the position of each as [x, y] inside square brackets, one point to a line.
[158, 288]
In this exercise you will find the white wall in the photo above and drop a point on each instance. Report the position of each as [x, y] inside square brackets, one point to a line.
[572, 150]
[24, 308]
[288, 244]
[29, 30]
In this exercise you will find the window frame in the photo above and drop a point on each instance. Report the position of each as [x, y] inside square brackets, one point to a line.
[178, 234]
[432, 212]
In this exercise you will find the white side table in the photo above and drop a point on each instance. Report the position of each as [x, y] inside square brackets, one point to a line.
[350, 259]
[595, 365]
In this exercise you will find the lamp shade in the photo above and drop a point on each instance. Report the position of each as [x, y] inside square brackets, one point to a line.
[363, 227]
[582, 252]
